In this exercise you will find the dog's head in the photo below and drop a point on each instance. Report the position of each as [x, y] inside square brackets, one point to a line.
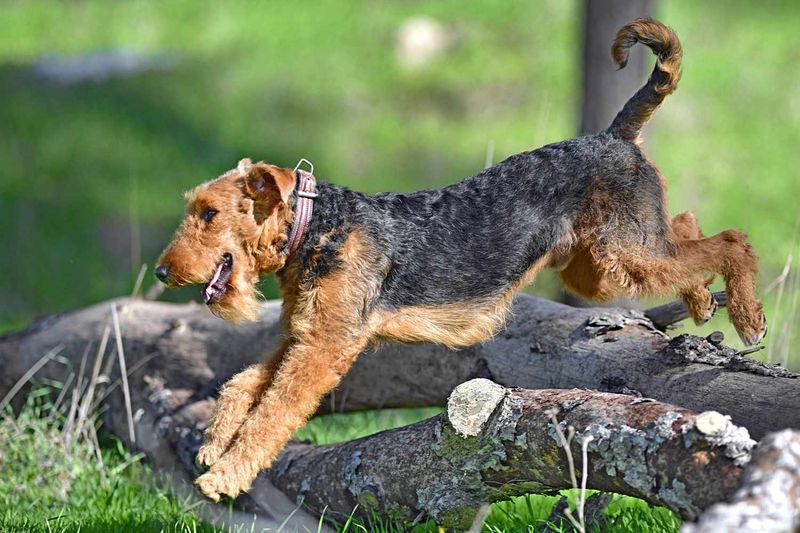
[233, 231]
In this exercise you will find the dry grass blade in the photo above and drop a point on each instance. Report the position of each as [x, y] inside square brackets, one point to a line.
[61, 395]
[133, 369]
[781, 278]
[126, 391]
[84, 400]
[489, 158]
[778, 283]
[28, 375]
[65, 387]
[137, 286]
[790, 318]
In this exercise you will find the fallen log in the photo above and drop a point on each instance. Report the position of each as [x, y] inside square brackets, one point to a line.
[494, 443]
[182, 352]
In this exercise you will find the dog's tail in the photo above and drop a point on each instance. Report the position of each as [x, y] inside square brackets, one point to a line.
[663, 81]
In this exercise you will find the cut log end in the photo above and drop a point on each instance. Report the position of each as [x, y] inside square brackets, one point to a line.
[472, 403]
[718, 430]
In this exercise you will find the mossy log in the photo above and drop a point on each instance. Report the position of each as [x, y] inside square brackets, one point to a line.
[493, 443]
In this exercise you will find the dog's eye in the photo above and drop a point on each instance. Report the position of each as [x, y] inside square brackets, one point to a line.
[208, 214]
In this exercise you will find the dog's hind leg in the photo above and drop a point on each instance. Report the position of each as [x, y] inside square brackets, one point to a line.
[727, 253]
[236, 398]
[697, 297]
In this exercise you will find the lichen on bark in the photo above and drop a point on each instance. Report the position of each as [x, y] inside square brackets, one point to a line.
[480, 420]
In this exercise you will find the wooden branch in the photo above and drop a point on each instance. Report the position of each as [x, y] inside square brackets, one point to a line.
[664, 316]
[768, 499]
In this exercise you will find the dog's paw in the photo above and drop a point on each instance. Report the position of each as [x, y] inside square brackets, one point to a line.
[214, 485]
[709, 312]
[208, 454]
[751, 338]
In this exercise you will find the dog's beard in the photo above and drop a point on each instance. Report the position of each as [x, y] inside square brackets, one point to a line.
[240, 303]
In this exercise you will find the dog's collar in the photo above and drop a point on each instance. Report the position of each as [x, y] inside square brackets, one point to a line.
[303, 207]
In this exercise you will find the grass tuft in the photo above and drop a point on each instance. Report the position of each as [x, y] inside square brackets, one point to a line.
[52, 483]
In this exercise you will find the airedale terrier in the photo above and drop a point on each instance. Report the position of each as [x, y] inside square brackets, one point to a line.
[439, 265]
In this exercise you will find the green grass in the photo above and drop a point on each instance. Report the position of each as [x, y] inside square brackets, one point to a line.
[50, 482]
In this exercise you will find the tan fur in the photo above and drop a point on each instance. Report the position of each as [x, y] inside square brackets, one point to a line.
[697, 297]
[326, 321]
[665, 77]
[456, 325]
[251, 224]
[236, 398]
[603, 272]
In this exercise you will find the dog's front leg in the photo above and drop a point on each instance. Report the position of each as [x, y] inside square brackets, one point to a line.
[310, 369]
[236, 397]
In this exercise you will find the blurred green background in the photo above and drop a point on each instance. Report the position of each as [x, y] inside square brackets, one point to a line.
[92, 165]
[109, 110]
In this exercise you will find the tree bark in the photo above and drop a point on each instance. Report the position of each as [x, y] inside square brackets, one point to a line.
[768, 499]
[494, 443]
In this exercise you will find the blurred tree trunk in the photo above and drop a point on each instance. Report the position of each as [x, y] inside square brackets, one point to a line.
[605, 87]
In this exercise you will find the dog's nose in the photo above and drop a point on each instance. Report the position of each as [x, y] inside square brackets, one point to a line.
[162, 272]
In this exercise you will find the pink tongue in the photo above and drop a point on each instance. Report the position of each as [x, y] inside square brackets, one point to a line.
[209, 289]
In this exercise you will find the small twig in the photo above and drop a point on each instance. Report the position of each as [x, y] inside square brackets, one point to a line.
[566, 442]
[748, 351]
[584, 478]
[575, 523]
[663, 316]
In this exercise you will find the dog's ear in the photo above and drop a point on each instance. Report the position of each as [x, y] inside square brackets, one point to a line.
[267, 184]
